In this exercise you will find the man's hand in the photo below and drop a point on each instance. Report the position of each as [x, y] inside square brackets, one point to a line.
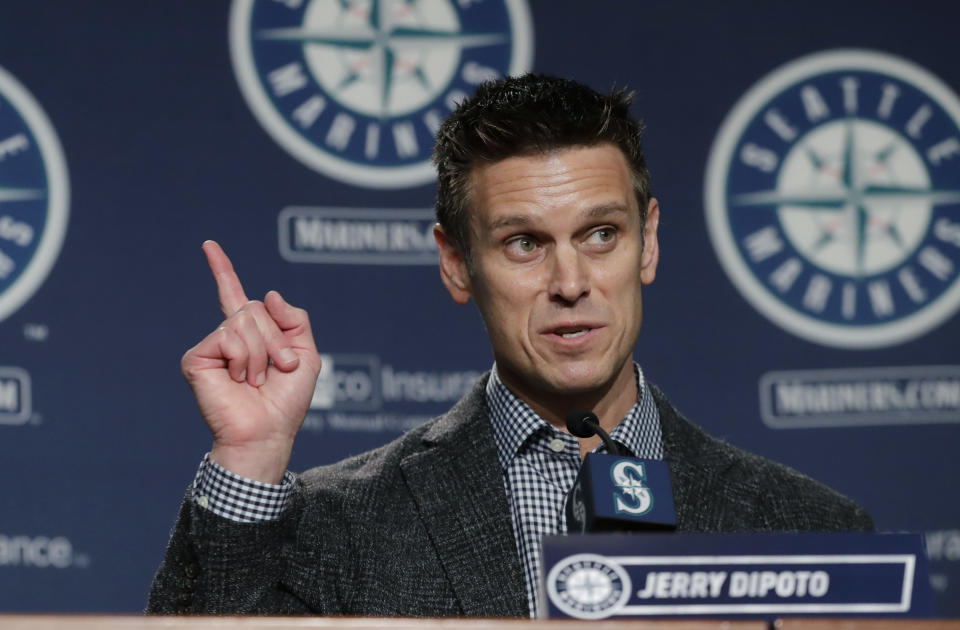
[253, 376]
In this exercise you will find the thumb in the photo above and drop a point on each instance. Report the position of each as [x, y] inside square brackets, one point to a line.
[293, 321]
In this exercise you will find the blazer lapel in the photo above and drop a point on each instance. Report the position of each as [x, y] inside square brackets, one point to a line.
[458, 488]
[696, 469]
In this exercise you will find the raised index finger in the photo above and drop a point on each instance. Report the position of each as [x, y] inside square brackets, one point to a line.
[229, 288]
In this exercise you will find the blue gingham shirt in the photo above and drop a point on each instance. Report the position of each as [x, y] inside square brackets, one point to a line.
[539, 464]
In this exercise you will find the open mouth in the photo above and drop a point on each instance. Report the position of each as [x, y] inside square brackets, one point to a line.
[572, 331]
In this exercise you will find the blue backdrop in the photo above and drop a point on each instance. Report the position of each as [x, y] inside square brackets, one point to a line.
[806, 157]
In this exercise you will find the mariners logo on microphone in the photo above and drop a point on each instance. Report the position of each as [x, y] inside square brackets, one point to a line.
[356, 89]
[833, 198]
[588, 586]
[33, 195]
[634, 497]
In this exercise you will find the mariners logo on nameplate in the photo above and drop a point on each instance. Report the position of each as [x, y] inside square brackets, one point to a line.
[34, 193]
[356, 89]
[588, 586]
[833, 198]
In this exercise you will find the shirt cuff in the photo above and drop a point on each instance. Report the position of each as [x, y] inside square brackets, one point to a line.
[237, 498]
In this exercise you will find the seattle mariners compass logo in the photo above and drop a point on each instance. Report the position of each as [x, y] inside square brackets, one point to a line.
[356, 89]
[833, 198]
[34, 193]
[588, 586]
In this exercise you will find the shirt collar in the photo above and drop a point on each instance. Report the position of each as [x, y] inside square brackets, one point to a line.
[514, 422]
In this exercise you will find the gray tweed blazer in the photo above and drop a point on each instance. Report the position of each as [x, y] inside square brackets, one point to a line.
[421, 526]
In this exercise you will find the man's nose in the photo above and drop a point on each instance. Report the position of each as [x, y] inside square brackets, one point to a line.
[570, 277]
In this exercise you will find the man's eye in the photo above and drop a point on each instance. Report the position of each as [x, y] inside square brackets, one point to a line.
[523, 245]
[603, 235]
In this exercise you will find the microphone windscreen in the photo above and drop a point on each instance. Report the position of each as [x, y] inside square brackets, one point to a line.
[616, 494]
[582, 423]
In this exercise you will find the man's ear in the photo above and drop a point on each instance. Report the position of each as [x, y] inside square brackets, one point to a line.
[453, 267]
[651, 247]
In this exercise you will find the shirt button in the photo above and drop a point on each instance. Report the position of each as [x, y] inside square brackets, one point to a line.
[203, 502]
[556, 445]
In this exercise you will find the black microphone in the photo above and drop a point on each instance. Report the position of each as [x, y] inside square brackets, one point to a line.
[584, 424]
[617, 493]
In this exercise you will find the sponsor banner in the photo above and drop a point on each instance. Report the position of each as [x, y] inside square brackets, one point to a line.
[357, 236]
[756, 575]
[860, 396]
[15, 396]
[832, 198]
[359, 393]
[40, 552]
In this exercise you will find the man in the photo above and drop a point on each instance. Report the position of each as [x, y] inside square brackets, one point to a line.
[545, 220]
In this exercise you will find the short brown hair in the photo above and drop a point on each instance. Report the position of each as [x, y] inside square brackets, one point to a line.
[533, 113]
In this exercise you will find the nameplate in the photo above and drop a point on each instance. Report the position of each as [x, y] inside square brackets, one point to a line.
[734, 575]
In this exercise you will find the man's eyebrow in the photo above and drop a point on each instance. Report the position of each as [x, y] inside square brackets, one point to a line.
[599, 212]
[513, 220]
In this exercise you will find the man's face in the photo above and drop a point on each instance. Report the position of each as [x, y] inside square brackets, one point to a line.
[557, 265]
